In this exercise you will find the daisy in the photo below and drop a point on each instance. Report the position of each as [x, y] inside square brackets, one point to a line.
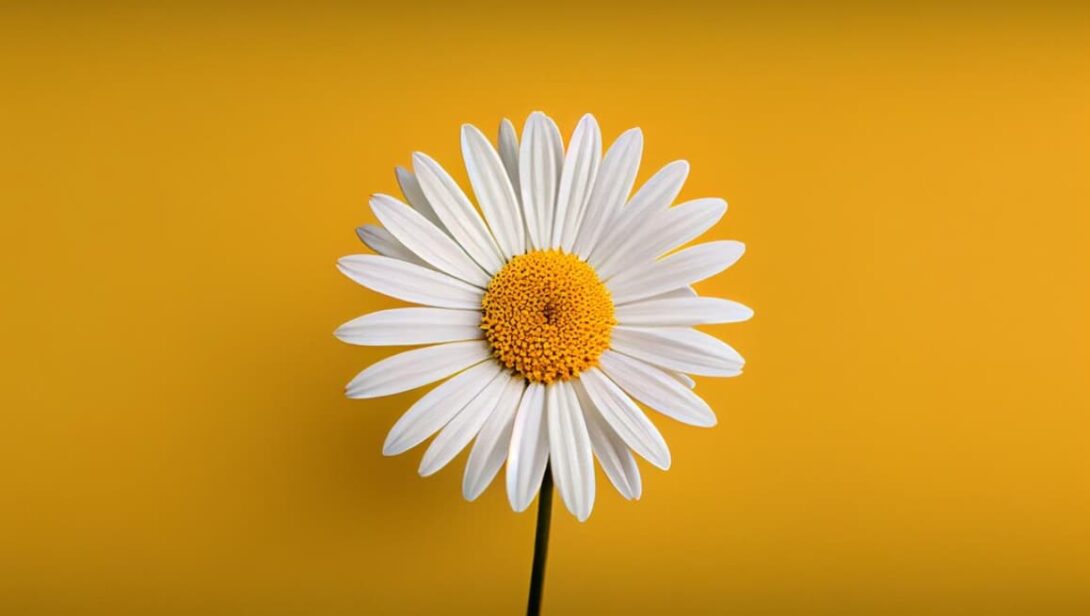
[549, 314]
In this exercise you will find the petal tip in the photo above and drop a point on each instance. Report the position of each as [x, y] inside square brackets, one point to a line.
[470, 492]
[391, 447]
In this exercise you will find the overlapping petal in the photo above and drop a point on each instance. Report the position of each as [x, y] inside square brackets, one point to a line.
[569, 449]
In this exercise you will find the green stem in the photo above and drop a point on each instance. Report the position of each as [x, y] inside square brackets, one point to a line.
[541, 544]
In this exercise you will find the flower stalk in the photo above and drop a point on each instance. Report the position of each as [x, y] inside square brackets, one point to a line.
[541, 544]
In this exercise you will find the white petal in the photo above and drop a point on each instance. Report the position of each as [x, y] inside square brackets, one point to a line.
[410, 187]
[494, 192]
[653, 197]
[677, 270]
[438, 407]
[426, 240]
[384, 243]
[678, 348]
[405, 326]
[682, 311]
[464, 426]
[556, 141]
[411, 283]
[539, 176]
[615, 178]
[626, 419]
[682, 378]
[674, 293]
[509, 152]
[457, 213]
[570, 452]
[657, 389]
[670, 229]
[612, 453]
[576, 182]
[416, 368]
[490, 449]
[529, 450]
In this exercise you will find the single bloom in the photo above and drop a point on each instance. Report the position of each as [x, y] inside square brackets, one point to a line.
[548, 314]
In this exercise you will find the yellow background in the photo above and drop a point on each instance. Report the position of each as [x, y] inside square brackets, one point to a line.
[910, 437]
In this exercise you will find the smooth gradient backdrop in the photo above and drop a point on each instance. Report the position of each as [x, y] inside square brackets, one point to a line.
[911, 435]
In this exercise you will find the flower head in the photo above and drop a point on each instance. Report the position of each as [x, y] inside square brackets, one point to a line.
[549, 317]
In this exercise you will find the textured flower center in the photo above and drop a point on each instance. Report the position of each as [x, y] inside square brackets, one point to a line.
[547, 316]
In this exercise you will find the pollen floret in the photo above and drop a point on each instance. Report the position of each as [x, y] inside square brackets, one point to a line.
[547, 316]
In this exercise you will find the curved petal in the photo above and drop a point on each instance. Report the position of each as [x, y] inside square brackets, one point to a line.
[670, 229]
[653, 197]
[529, 452]
[509, 152]
[682, 311]
[683, 378]
[677, 270]
[557, 143]
[674, 293]
[437, 407]
[616, 175]
[411, 283]
[490, 449]
[416, 368]
[463, 427]
[426, 240]
[576, 182]
[678, 348]
[539, 176]
[616, 459]
[626, 419]
[657, 389]
[406, 326]
[384, 243]
[494, 192]
[457, 213]
[410, 188]
[569, 449]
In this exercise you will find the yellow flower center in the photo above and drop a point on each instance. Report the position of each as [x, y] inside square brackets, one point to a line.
[547, 316]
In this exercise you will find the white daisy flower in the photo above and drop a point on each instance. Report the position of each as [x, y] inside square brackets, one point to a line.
[550, 312]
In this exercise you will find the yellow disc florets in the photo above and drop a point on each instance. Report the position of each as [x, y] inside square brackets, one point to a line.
[547, 316]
